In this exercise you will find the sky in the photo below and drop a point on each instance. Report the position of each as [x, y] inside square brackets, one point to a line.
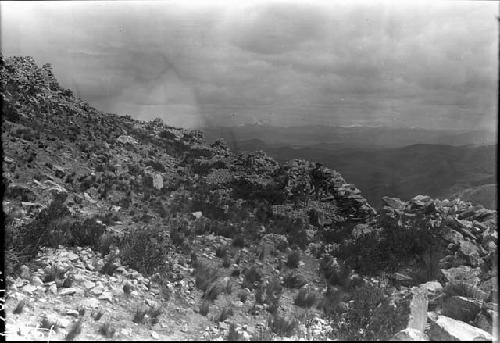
[286, 63]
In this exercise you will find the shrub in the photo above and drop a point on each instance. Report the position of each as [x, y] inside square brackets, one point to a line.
[97, 315]
[293, 280]
[53, 274]
[226, 263]
[213, 292]
[221, 251]
[330, 304]
[261, 253]
[233, 335]
[165, 291]
[305, 298]
[264, 335]
[140, 316]
[281, 326]
[55, 226]
[87, 233]
[336, 273]
[154, 313]
[269, 294]
[260, 294]
[229, 288]
[20, 306]
[109, 267]
[204, 277]
[48, 324]
[74, 331]
[204, 308]
[372, 316]
[107, 330]
[394, 246]
[177, 238]
[145, 250]
[252, 276]
[239, 241]
[68, 282]
[243, 295]
[126, 289]
[293, 260]
[194, 260]
[225, 314]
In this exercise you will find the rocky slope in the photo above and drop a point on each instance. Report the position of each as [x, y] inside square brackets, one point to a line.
[122, 229]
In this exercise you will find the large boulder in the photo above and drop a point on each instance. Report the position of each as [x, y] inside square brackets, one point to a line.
[461, 308]
[470, 252]
[462, 274]
[124, 139]
[157, 181]
[444, 328]
[418, 309]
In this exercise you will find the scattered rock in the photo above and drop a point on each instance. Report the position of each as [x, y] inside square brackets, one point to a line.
[24, 272]
[68, 291]
[461, 308]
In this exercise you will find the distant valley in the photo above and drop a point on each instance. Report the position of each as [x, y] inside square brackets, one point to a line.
[461, 167]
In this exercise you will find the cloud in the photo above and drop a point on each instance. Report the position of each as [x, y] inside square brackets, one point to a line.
[431, 64]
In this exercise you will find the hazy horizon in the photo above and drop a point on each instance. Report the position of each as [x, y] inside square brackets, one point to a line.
[430, 65]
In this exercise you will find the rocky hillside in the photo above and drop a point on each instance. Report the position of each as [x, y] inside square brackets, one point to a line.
[122, 229]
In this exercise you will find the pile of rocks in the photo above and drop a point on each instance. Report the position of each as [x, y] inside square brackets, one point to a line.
[464, 303]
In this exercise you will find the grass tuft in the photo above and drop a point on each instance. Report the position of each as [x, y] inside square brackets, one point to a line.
[107, 330]
[75, 330]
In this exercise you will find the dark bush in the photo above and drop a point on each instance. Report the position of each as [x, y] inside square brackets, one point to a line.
[243, 296]
[252, 276]
[107, 330]
[177, 238]
[393, 247]
[293, 280]
[74, 331]
[204, 308]
[330, 303]
[221, 251]
[48, 324]
[305, 298]
[293, 260]
[204, 277]
[19, 307]
[225, 314]
[157, 166]
[372, 316]
[226, 263]
[97, 315]
[336, 272]
[239, 241]
[145, 249]
[154, 313]
[281, 326]
[213, 292]
[233, 335]
[140, 316]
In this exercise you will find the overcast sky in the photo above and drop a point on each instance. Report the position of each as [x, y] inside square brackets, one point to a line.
[401, 63]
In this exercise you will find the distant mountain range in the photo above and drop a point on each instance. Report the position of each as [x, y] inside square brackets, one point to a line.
[348, 137]
[457, 166]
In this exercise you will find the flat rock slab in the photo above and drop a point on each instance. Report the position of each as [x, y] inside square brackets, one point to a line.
[444, 328]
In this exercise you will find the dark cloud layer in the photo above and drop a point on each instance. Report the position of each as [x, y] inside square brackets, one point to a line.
[425, 64]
